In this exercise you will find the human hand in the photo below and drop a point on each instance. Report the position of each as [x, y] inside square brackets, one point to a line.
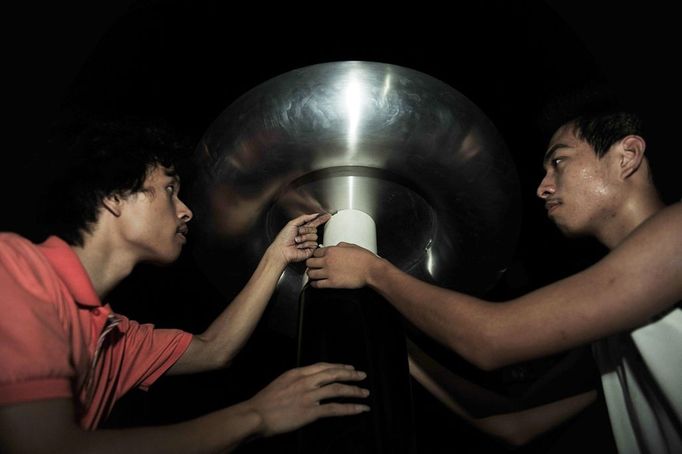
[292, 400]
[298, 239]
[343, 266]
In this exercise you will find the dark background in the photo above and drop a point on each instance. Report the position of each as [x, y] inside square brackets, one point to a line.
[186, 61]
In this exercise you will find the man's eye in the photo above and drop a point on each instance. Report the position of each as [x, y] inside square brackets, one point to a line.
[555, 162]
[170, 189]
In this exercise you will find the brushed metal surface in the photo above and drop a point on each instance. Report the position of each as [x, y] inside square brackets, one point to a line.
[398, 144]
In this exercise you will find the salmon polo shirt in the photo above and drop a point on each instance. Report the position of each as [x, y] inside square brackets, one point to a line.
[57, 339]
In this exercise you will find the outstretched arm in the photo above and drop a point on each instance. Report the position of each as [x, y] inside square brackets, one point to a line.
[289, 402]
[514, 420]
[225, 337]
[516, 428]
[637, 280]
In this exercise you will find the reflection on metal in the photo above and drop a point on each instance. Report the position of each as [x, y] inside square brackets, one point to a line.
[409, 150]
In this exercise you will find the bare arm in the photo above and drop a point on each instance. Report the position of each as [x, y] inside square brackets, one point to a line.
[289, 402]
[48, 427]
[514, 428]
[228, 333]
[637, 280]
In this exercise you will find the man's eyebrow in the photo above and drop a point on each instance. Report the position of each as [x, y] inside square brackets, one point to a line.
[175, 178]
[170, 171]
[551, 151]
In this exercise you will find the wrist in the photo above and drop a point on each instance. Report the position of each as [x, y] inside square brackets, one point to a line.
[376, 271]
[274, 259]
[252, 418]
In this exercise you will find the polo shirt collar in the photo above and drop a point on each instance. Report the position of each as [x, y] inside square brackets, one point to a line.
[70, 269]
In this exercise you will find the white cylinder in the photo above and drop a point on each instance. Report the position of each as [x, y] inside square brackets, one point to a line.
[351, 226]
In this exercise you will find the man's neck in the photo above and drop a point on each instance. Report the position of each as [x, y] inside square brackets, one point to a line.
[105, 263]
[632, 214]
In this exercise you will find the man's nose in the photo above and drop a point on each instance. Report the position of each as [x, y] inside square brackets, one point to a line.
[546, 187]
[184, 212]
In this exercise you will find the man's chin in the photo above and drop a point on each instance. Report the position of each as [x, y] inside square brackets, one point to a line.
[165, 259]
[568, 231]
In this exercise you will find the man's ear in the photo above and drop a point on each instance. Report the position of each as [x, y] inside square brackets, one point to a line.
[112, 204]
[631, 154]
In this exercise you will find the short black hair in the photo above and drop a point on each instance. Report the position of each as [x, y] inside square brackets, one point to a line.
[600, 118]
[602, 129]
[103, 157]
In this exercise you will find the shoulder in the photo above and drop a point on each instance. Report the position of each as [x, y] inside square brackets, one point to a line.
[646, 268]
[658, 240]
[671, 213]
[665, 225]
[13, 241]
[22, 265]
[16, 251]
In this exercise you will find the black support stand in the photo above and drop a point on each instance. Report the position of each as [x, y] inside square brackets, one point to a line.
[358, 327]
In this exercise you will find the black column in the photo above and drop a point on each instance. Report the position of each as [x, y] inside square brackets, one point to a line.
[358, 327]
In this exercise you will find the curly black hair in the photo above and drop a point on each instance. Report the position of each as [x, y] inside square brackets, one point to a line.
[104, 157]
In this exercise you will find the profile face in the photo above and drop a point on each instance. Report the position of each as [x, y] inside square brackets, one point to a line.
[579, 188]
[155, 219]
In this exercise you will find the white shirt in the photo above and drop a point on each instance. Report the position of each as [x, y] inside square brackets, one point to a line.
[642, 380]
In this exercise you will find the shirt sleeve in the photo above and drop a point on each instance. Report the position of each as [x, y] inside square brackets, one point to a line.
[149, 353]
[34, 346]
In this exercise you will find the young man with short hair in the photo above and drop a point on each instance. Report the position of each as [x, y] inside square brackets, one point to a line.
[598, 182]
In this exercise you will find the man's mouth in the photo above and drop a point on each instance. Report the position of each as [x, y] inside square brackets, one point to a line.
[182, 231]
[551, 205]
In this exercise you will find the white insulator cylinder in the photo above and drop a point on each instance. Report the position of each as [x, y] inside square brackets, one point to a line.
[351, 226]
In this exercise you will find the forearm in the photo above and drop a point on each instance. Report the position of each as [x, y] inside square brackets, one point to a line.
[228, 333]
[609, 297]
[515, 428]
[225, 337]
[461, 322]
[34, 427]
[521, 427]
[490, 335]
[221, 431]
